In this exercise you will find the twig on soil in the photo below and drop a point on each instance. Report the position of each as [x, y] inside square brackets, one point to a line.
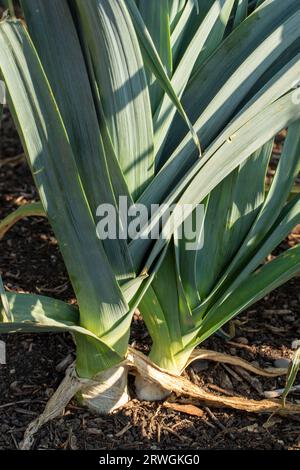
[253, 381]
[232, 373]
[181, 438]
[26, 412]
[277, 393]
[216, 388]
[124, 430]
[277, 312]
[12, 160]
[215, 420]
[14, 441]
[240, 345]
[188, 409]
[13, 403]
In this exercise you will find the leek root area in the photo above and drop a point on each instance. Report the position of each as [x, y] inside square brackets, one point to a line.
[109, 390]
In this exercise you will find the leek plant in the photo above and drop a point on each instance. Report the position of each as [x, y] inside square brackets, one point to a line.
[161, 102]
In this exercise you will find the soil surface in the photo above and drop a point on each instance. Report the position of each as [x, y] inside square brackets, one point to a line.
[31, 262]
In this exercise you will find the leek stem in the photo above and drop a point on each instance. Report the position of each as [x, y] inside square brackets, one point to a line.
[11, 8]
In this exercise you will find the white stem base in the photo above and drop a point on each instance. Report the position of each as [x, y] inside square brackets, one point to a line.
[108, 392]
[149, 391]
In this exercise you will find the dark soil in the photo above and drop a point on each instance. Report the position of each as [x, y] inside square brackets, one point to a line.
[30, 262]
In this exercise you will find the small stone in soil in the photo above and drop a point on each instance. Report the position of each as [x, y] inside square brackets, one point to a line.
[281, 363]
[296, 344]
